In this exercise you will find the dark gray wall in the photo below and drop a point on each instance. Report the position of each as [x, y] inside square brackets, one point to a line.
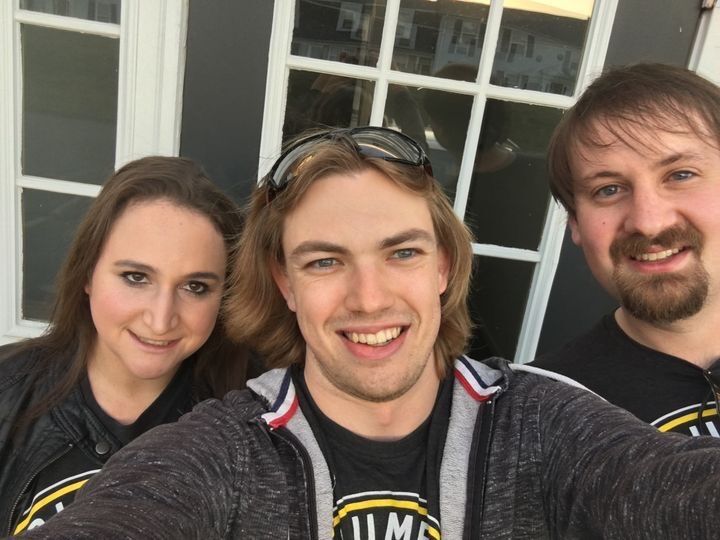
[644, 31]
[224, 94]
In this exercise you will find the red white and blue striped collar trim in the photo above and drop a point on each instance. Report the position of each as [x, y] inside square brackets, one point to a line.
[471, 381]
[285, 406]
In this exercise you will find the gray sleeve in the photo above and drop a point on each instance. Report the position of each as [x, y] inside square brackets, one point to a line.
[179, 480]
[606, 474]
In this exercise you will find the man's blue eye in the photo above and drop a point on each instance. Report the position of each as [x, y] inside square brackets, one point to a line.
[404, 253]
[324, 263]
[607, 191]
[682, 175]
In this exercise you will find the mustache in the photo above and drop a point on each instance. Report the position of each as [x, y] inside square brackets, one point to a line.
[673, 237]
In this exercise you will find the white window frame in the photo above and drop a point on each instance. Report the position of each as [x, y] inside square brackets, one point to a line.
[547, 255]
[152, 36]
[705, 58]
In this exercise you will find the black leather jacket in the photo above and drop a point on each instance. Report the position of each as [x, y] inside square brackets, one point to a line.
[49, 437]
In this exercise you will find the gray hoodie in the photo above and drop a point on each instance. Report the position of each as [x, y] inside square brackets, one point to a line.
[525, 457]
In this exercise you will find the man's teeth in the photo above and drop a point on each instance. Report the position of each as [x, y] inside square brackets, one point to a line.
[379, 338]
[660, 255]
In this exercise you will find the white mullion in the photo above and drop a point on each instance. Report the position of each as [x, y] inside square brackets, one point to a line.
[504, 252]
[318, 65]
[529, 97]
[541, 284]
[467, 165]
[596, 48]
[276, 84]
[8, 162]
[705, 57]
[601, 23]
[72, 24]
[58, 186]
[151, 68]
[384, 66]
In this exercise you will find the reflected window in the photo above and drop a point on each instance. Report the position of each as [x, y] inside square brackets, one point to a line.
[498, 295]
[93, 10]
[509, 191]
[317, 100]
[433, 35]
[348, 32]
[70, 88]
[541, 45]
[49, 223]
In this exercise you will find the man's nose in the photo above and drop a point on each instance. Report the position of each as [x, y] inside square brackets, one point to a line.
[650, 213]
[368, 289]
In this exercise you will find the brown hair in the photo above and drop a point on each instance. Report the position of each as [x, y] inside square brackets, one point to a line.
[256, 310]
[71, 333]
[627, 102]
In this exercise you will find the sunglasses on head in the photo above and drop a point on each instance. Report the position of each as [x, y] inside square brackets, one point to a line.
[369, 141]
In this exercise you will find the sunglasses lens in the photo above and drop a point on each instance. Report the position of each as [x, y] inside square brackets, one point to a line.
[386, 144]
[382, 143]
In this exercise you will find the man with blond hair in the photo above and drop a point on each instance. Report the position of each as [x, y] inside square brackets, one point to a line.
[351, 280]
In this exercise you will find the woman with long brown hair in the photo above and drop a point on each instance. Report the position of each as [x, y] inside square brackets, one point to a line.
[134, 339]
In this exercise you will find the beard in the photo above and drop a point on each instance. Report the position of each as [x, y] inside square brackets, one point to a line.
[660, 298]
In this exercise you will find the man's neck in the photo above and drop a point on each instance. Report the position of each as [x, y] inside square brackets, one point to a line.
[694, 339]
[389, 420]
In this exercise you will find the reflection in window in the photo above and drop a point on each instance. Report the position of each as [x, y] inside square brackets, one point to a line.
[49, 223]
[318, 100]
[433, 35]
[92, 10]
[70, 86]
[498, 295]
[348, 32]
[509, 192]
[541, 46]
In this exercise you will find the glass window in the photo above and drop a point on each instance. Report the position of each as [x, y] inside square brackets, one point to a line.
[49, 223]
[498, 295]
[70, 83]
[509, 193]
[317, 100]
[348, 32]
[438, 120]
[540, 46]
[92, 10]
[431, 36]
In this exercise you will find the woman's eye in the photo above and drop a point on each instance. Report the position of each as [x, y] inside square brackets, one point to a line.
[196, 287]
[135, 277]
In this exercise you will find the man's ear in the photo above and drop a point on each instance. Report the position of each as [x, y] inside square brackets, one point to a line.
[574, 230]
[443, 269]
[279, 274]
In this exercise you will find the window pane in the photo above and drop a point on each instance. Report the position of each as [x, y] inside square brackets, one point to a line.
[438, 120]
[320, 100]
[498, 296]
[347, 32]
[540, 46]
[431, 36]
[49, 221]
[70, 83]
[509, 193]
[92, 10]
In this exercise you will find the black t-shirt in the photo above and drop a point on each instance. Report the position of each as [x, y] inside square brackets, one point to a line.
[663, 390]
[382, 489]
[57, 484]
